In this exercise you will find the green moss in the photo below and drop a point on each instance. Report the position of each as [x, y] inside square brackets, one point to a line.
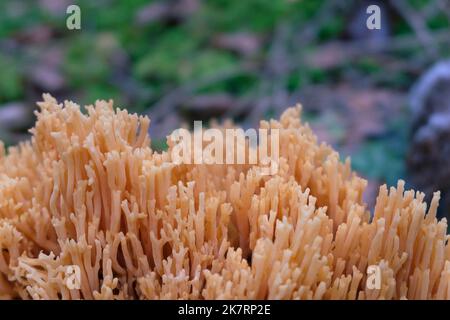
[11, 86]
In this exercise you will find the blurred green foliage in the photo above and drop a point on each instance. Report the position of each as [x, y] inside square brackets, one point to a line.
[11, 86]
[383, 158]
[161, 56]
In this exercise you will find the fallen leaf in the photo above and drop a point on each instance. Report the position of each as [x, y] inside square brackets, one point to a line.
[242, 43]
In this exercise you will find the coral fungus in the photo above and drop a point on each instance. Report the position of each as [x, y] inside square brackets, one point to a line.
[88, 192]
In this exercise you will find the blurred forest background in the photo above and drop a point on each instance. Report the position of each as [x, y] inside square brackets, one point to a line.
[179, 60]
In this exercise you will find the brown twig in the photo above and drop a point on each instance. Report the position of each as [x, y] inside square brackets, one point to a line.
[418, 24]
[168, 102]
[272, 82]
